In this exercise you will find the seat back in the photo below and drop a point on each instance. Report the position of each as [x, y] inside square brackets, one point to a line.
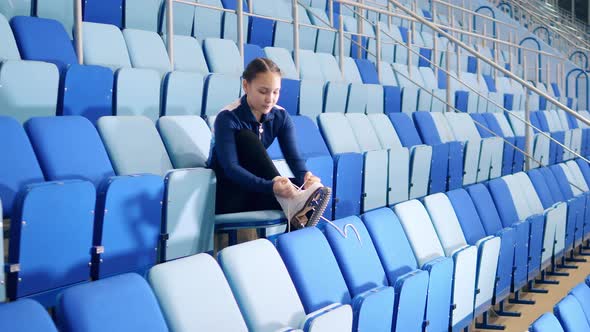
[265, 294]
[9, 49]
[571, 315]
[108, 12]
[192, 292]
[283, 59]
[25, 316]
[32, 35]
[182, 94]
[467, 215]
[147, 50]
[29, 89]
[20, 166]
[88, 91]
[445, 221]
[187, 139]
[143, 14]
[318, 281]
[385, 131]
[582, 293]
[419, 230]
[363, 131]
[188, 55]
[111, 304]
[220, 90]
[69, 148]
[223, 56]
[546, 323]
[333, 127]
[104, 45]
[486, 209]
[133, 145]
[137, 92]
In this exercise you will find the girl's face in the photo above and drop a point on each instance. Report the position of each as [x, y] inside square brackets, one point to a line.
[263, 92]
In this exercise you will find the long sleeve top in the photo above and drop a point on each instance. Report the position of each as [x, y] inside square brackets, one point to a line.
[276, 124]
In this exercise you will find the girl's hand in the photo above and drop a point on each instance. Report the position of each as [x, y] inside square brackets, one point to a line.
[310, 179]
[282, 187]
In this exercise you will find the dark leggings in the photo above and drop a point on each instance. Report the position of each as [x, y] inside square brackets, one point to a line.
[253, 157]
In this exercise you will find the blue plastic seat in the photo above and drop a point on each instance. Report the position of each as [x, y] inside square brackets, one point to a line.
[64, 232]
[188, 55]
[104, 45]
[408, 278]
[43, 40]
[223, 56]
[88, 91]
[21, 166]
[146, 50]
[143, 14]
[208, 23]
[571, 315]
[546, 323]
[220, 91]
[25, 316]
[582, 293]
[319, 281]
[111, 304]
[104, 11]
[9, 50]
[182, 93]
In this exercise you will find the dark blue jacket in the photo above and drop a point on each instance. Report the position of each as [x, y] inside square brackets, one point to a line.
[276, 124]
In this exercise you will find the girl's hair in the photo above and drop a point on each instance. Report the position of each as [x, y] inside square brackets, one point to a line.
[260, 65]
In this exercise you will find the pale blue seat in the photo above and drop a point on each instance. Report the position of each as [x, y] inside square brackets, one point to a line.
[61, 10]
[208, 23]
[223, 56]
[15, 8]
[104, 45]
[9, 49]
[188, 55]
[266, 295]
[427, 245]
[182, 93]
[143, 14]
[29, 89]
[194, 295]
[138, 93]
[445, 212]
[220, 91]
[133, 145]
[184, 16]
[571, 315]
[146, 50]
[325, 39]
[283, 34]
[282, 57]
[25, 316]
[111, 304]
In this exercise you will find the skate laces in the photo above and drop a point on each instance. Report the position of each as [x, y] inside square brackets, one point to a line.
[343, 232]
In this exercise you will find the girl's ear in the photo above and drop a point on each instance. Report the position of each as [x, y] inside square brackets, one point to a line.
[245, 86]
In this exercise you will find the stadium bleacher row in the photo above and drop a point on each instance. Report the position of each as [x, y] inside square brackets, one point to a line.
[570, 314]
[104, 175]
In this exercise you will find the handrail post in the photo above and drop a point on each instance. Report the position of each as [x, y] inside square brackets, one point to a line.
[78, 32]
[296, 34]
[528, 134]
[240, 19]
[409, 50]
[378, 47]
[341, 42]
[434, 55]
[359, 30]
[448, 64]
[170, 30]
[330, 12]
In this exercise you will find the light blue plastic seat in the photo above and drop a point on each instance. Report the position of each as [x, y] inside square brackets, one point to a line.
[88, 91]
[133, 145]
[61, 11]
[62, 229]
[194, 295]
[282, 57]
[220, 90]
[223, 56]
[188, 55]
[325, 39]
[29, 89]
[582, 293]
[15, 8]
[146, 50]
[208, 22]
[9, 49]
[138, 93]
[104, 45]
[111, 304]
[25, 316]
[184, 16]
[182, 93]
[143, 14]
[427, 245]
[266, 295]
